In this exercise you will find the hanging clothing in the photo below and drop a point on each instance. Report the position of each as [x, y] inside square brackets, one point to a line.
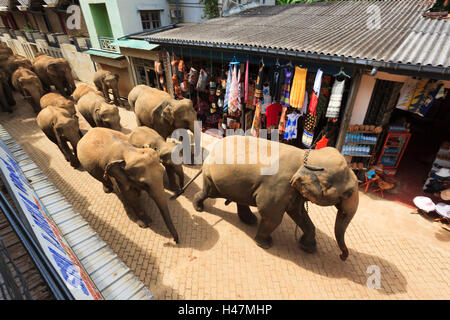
[308, 133]
[246, 82]
[334, 106]
[275, 82]
[234, 98]
[256, 125]
[304, 109]
[288, 73]
[297, 94]
[267, 99]
[433, 88]
[322, 103]
[323, 143]
[259, 84]
[227, 91]
[316, 92]
[292, 126]
[406, 94]
[272, 113]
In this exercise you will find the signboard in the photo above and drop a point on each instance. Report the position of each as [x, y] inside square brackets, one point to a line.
[49, 236]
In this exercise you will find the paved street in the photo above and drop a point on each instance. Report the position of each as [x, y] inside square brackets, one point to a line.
[217, 257]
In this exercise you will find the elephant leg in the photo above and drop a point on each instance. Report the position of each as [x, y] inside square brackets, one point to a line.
[172, 179]
[301, 218]
[246, 215]
[130, 199]
[202, 195]
[9, 96]
[180, 173]
[117, 100]
[269, 222]
[62, 143]
[106, 92]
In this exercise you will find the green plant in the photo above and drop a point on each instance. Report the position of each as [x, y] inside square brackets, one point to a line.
[211, 9]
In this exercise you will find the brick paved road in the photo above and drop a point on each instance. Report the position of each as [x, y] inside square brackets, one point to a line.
[217, 257]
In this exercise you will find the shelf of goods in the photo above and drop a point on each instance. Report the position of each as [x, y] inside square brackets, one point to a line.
[442, 161]
[393, 149]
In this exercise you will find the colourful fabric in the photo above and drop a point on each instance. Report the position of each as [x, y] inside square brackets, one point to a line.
[227, 91]
[334, 106]
[282, 124]
[275, 82]
[267, 99]
[259, 84]
[308, 133]
[316, 92]
[291, 126]
[234, 98]
[272, 113]
[323, 143]
[288, 73]
[246, 81]
[297, 94]
[256, 125]
[433, 88]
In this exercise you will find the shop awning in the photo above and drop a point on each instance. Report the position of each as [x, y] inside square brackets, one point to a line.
[135, 44]
[104, 54]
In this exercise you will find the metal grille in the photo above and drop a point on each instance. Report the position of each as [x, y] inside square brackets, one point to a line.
[106, 44]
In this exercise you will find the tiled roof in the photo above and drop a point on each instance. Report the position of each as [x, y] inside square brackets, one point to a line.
[340, 28]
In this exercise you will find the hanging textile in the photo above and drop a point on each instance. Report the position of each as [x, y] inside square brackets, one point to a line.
[292, 126]
[267, 99]
[311, 117]
[334, 106]
[234, 98]
[316, 92]
[246, 82]
[431, 92]
[275, 82]
[256, 125]
[282, 124]
[259, 83]
[305, 104]
[297, 94]
[227, 90]
[407, 93]
[323, 143]
[308, 133]
[288, 73]
[272, 114]
[322, 103]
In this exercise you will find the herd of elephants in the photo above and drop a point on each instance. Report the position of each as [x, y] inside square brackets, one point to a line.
[130, 163]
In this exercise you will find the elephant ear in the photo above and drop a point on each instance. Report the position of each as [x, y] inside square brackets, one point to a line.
[52, 69]
[168, 114]
[97, 117]
[115, 172]
[307, 182]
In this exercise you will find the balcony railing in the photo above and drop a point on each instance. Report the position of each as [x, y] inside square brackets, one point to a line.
[106, 44]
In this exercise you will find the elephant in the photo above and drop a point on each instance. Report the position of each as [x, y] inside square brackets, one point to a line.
[29, 85]
[110, 158]
[7, 100]
[144, 137]
[57, 100]
[156, 109]
[61, 127]
[56, 72]
[104, 81]
[320, 176]
[98, 113]
[82, 90]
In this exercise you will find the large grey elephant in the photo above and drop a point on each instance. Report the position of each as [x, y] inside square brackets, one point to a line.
[144, 137]
[98, 112]
[29, 85]
[156, 109]
[325, 180]
[56, 72]
[105, 80]
[110, 158]
[61, 128]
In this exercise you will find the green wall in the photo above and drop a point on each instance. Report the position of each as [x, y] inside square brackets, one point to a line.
[101, 20]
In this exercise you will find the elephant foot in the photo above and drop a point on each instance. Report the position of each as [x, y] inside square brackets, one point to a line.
[308, 246]
[107, 189]
[141, 224]
[265, 243]
[247, 216]
[198, 201]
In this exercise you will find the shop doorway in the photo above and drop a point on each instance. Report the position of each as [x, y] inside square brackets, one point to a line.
[410, 142]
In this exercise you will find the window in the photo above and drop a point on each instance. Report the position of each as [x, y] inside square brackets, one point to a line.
[150, 19]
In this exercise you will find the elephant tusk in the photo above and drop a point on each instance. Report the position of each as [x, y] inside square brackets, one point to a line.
[312, 168]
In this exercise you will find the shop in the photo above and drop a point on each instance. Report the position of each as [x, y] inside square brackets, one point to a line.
[410, 156]
[249, 92]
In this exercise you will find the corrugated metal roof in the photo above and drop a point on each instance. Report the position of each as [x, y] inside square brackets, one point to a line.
[340, 28]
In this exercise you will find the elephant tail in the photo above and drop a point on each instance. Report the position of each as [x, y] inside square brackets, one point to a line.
[180, 192]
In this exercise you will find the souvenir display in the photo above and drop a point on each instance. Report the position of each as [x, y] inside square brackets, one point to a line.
[282, 96]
